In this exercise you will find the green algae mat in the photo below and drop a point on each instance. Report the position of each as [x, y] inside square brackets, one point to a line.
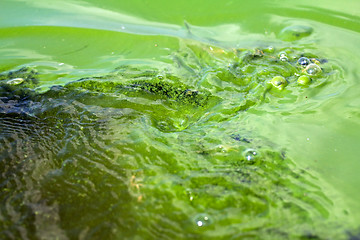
[162, 120]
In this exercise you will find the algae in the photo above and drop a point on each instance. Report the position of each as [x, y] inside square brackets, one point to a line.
[162, 153]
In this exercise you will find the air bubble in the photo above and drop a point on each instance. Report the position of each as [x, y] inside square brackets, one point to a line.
[250, 155]
[283, 56]
[190, 194]
[221, 148]
[160, 77]
[202, 220]
[313, 69]
[284, 59]
[303, 61]
[279, 82]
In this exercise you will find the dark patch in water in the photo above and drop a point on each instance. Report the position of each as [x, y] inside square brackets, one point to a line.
[237, 137]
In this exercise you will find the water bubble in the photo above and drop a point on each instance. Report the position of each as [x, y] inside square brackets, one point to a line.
[202, 220]
[303, 61]
[250, 155]
[190, 194]
[283, 56]
[279, 82]
[303, 80]
[313, 69]
[284, 59]
[221, 148]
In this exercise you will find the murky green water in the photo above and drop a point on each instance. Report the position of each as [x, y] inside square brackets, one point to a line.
[164, 120]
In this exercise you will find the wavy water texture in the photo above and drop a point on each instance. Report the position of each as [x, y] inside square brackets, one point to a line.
[146, 152]
[81, 14]
[152, 120]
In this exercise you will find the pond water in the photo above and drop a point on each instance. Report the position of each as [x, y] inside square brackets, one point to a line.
[179, 120]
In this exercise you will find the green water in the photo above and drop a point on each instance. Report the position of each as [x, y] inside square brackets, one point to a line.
[179, 120]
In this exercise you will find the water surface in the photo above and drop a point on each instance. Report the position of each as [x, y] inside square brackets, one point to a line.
[159, 120]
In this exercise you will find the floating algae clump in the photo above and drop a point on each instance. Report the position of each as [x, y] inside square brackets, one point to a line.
[303, 80]
[295, 32]
[158, 153]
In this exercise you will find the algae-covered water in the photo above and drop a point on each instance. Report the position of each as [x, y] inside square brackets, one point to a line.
[179, 120]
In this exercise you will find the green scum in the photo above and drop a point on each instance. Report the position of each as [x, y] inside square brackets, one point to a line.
[162, 152]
